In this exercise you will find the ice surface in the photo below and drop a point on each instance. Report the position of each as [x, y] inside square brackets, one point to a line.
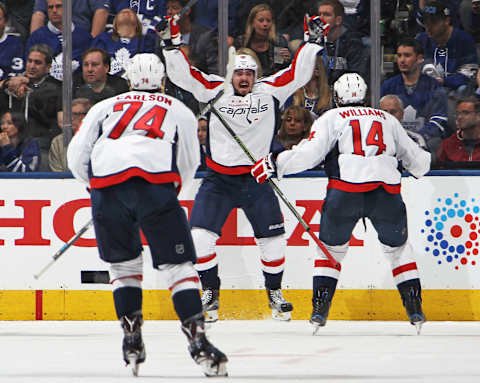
[259, 351]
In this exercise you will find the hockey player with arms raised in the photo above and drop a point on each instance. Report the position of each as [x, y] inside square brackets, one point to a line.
[250, 106]
[361, 147]
[134, 151]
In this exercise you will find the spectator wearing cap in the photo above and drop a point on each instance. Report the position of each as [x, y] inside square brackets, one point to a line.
[464, 146]
[450, 53]
[452, 5]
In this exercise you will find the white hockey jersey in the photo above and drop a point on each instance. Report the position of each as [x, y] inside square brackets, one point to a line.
[362, 147]
[252, 117]
[149, 135]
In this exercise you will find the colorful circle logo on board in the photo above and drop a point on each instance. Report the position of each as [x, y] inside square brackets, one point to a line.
[452, 230]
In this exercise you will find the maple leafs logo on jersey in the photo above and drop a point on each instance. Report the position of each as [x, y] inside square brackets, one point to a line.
[56, 71]
[117, 63]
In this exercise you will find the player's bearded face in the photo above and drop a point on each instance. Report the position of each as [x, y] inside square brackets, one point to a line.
[243, 80]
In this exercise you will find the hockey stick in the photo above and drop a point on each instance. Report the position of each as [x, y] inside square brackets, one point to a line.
[162, 22]
[277, 190]
[189, 5]
[64, 248]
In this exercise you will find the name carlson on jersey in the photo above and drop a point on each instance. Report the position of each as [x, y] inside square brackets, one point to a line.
[362, 112]
[145, 97]
[244, 110]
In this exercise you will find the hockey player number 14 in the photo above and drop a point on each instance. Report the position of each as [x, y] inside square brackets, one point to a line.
[374, 137]
[151, 121]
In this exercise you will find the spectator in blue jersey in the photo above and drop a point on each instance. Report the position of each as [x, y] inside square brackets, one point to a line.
[11, 49]
[51, 34]
[450, 53]
[18, 151]
[88, 14]
[94, 82]
[148, 11]
[261, 37]
[125, 40]
[424, 99]
[344, 50]
[37, 96]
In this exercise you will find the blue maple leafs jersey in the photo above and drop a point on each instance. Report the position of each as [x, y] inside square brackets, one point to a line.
[11, 55]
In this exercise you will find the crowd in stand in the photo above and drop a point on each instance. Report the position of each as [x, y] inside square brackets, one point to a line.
[433, 88]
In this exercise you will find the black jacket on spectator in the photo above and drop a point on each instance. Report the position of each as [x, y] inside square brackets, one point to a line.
[347, 54]
[42, 103]
[205, 52]
[115, 85]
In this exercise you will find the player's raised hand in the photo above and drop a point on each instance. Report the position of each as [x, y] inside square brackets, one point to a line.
[264, 169]
[169, 31]
[315, 29]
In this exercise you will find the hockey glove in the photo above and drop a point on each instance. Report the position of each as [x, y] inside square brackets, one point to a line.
[264, 169]
[169, 32]
[315, 29]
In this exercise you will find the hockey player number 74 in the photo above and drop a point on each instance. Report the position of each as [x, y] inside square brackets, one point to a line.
[374, 137]
[151, 121]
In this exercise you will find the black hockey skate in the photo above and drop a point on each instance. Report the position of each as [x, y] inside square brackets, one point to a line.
[281, 309]
[321, 301]
[211, 359]
[210, 304]
[411, 294]
[133, 347]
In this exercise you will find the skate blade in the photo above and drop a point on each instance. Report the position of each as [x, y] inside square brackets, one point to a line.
[132, 361]
[281, 316]
[316, 327]
[211, 316]
[211, 370]
[418, 326]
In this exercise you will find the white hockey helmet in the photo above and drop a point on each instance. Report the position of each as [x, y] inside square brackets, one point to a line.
[245, 62]
[350, 88]
[145, 71]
